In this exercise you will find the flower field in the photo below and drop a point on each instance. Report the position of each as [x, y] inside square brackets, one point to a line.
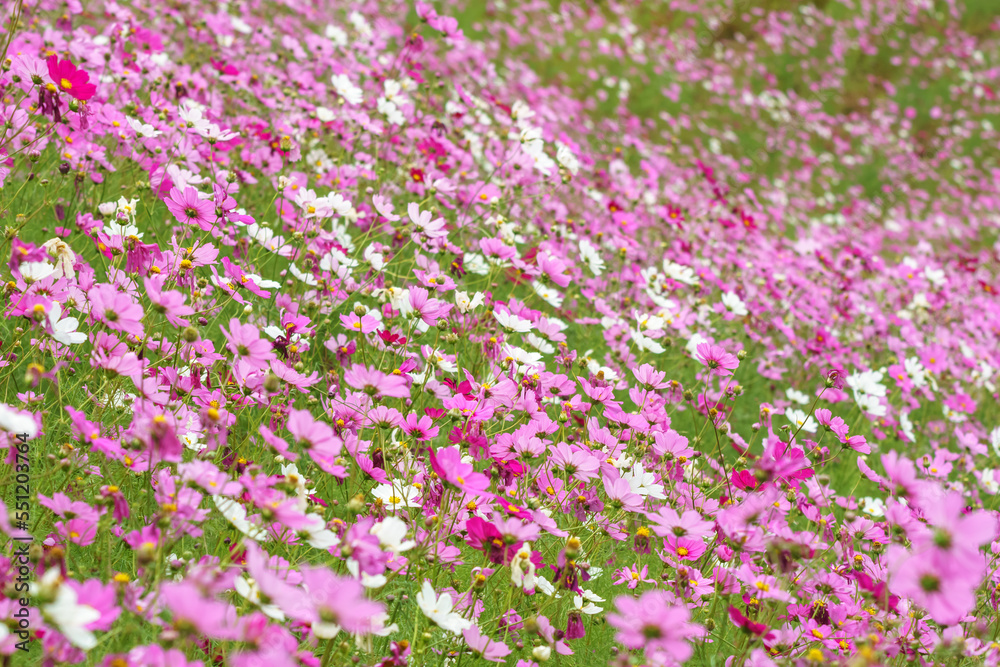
[491, 331]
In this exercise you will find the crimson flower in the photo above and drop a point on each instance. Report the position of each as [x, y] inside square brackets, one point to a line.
[69, 79]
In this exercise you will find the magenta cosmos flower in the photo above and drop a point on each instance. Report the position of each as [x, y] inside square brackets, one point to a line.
[653, 623]
[717, 359]
[115, 309]
[70, 80]
[448, 465]
[188, 207]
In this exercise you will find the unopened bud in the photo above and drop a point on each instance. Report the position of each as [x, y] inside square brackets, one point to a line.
[357, 504]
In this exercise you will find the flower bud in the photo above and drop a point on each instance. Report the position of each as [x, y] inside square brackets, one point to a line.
[356, 504]
[541, 653]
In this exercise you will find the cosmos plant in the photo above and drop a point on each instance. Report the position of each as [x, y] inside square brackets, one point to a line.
[389, 333]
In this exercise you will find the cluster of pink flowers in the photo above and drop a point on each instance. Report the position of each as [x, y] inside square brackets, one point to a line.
[335, 333]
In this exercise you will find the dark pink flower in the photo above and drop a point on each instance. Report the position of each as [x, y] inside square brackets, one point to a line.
[717, 359]
[189, 208]
[70, 80]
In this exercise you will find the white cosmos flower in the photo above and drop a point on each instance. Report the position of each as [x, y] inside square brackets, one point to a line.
[247, 588]
[916, 371]
[317, 534]
[16, 421]
[511, 322]
[466, 303]
[867, 382]
[546, 587]
[648, 322]
[64, 330]
[391, 534]
[566, 158]
[324, 114]
[261, 282]
[693, 343]
[995, 440]
[236, 514]
[397, 495]
[991, 481]
[142, 129]
[592, 257]
[72, 618]
[680, 273]
[376, 259]
[439, 610]
[307, 278]
[796, 396]
[216, 133]
[734, 304]
[522, 570]
[475, 263]
[523, 357]
[35, 271]
[347, 90]
[548, 295]
[643, 483]
[873, 506]
[906, 426]
[588, 608]
[64, 256]
[645, 343]
[871, 404]
[800, 420]
[540, 344]
[367, 580]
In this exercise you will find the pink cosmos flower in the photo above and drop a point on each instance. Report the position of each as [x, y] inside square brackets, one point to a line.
[338, 603]
[420, 428]
[245, 342]
[483, 646]
[422, 220]
[314, 435]
[689, 524]
[448, 465]
[170, 303]
[115, 309]
[577, 462]
[944, 586]
[633, 576]
[189, 208]
[376, 383]
[717, 359]
[684, 548]
[621, 495]
[430, 310]
[653, 622]
[362, 323]
[193, 613]
[68, 79]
